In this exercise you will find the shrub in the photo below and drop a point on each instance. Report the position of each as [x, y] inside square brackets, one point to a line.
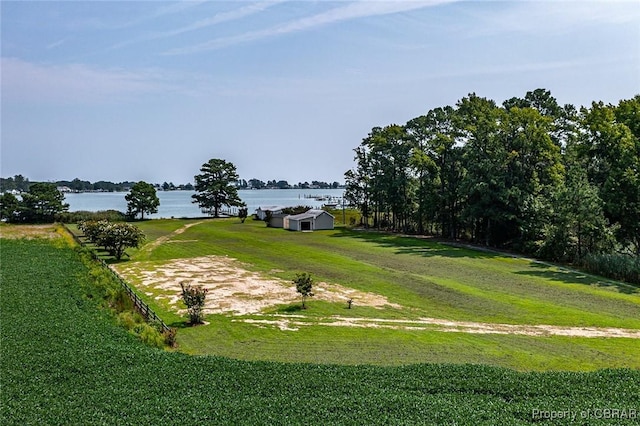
[296, 210]
[114, 237]
[616, 266]
[170, 337]
[129, 319]
[150, 335]
[193, 298]
[105, 287]
[243, 212]
[135, 323]
[84, 216]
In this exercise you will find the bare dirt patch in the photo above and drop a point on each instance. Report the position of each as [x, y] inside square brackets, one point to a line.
[294, 323]
[232, 288]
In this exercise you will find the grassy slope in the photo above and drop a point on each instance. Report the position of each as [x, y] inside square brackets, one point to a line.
[428, 279]
[62, 361]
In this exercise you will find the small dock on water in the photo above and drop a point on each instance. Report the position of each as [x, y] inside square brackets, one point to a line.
[330, 200]
[228, 212]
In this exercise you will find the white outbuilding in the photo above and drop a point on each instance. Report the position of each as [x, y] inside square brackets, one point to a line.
[261, 212]
[311, 220]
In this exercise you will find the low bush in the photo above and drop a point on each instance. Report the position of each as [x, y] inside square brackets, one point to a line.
[129, 320]
[84, 216]
[170, 337]
[296, 209]
[106, 288]
[149, 334]
[616, 266]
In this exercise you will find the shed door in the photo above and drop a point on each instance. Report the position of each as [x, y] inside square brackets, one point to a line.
[305, 226]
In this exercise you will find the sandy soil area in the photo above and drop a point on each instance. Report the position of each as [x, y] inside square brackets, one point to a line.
[232, 288]
[294, 323]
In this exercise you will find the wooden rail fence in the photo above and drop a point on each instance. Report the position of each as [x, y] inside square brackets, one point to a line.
[139, 304]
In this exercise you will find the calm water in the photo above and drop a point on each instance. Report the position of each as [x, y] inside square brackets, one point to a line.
[178, 203]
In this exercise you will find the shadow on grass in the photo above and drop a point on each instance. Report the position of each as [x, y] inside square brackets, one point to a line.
[180, 324]
[416, 245]
[289, 309]
[576, 277]
[113, 261]
[183, 324]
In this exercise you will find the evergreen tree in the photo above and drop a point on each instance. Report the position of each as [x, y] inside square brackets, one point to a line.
[216, 187]
[142, 199]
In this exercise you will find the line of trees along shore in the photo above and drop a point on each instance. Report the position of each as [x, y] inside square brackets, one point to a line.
[554, 181]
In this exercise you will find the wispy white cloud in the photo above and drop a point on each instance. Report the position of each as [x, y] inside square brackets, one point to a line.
[144, 12]
[221, 17]
[55, 44]
[165, 10]
[76, 83]
[347, 12]
[557, 16]
[216, 19]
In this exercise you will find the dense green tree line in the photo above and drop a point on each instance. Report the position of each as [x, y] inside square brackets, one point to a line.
[22, 184]
[42, 203]
[531, 175]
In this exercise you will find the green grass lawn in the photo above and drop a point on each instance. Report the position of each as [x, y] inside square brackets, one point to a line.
[64, 361]
[425, 278]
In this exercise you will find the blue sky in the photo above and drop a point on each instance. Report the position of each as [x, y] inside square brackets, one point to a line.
[151, 90]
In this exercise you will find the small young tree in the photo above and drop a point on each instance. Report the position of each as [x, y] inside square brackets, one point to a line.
[304, 285]
[193, 297]
[267, 217]
[243, 212]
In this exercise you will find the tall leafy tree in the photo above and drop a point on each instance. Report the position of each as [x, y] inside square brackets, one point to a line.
[216, 187]
[532, 170]
[577, 225]
[531, 174]
[141, 199]
[358, 184]
[484, 158]
[437, 167]
[540, 100]
[378, 170]
[424, 170]
[42, 203]
[612, 155]
[388, 151]
[9, 207]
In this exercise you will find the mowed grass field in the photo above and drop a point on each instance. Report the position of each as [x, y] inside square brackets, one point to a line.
[63, 360]
[420, 279]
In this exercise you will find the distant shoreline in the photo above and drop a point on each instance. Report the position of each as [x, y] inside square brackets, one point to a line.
[179, 203]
